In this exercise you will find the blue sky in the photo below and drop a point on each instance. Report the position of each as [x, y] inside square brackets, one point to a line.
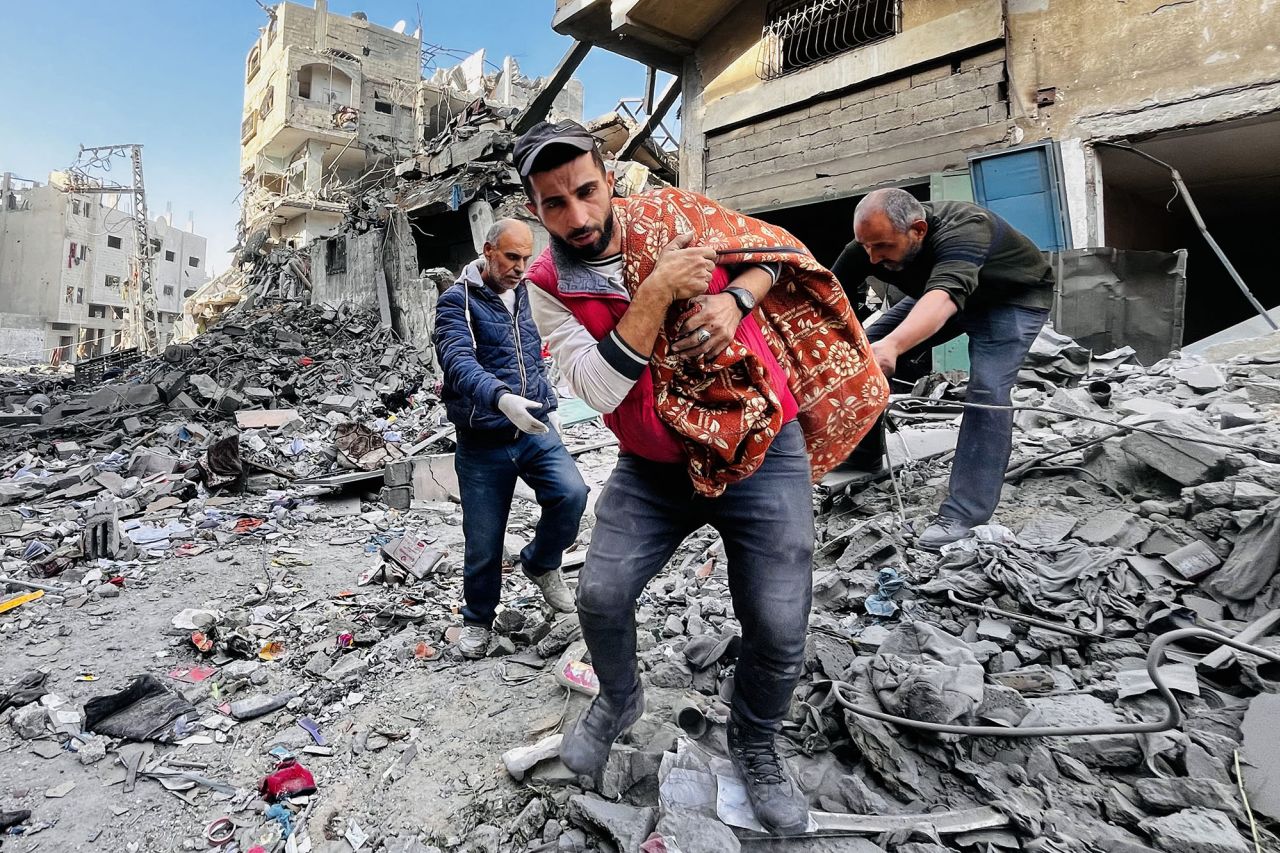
[169, 75]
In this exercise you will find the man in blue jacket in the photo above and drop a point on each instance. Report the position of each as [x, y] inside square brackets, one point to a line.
[497, 394]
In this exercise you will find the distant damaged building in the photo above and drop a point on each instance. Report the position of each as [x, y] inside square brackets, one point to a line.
[794, 109]
[328, 104]
[365, 183]
[68, 270]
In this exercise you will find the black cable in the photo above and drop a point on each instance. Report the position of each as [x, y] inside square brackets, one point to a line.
[1172, 719]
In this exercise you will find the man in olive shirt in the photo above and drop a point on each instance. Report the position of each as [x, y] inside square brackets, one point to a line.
[965, 271]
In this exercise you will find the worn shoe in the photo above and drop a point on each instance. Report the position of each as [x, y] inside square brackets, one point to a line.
[586, 749]
[779, 804]
[943, 531]
[554, 591]
[474, 642]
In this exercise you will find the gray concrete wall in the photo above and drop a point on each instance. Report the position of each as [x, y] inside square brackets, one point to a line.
[382, 273]
[903, 128]
[22, 337]
[359, 283]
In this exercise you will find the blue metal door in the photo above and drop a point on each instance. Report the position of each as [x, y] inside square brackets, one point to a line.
[1021, 186]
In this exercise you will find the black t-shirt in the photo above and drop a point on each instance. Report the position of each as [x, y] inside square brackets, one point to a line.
[968, 251]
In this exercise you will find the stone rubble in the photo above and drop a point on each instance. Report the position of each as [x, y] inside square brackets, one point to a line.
[304, 584]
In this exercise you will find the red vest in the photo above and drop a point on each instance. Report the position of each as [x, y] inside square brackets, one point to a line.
[635, 422]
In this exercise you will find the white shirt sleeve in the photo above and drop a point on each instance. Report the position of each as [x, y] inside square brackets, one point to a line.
[601, 373]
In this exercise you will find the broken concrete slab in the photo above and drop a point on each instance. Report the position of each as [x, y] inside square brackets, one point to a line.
[626, 826]
[1117, 750]
[1117, 528]
[265, 418]
[1180, 458]
[1195, 831]
[434, 478]
[1177, 793]
[1047, 528]
[1260, 754]
[1202, 378]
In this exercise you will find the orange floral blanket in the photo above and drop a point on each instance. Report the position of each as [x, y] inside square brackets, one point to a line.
[725, 410]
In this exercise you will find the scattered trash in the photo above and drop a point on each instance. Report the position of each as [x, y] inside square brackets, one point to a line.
[573, 673]
[145, 710]
[289, 779]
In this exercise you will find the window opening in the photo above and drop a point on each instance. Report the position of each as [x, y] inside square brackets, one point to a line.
[800, 33]
[335, 255]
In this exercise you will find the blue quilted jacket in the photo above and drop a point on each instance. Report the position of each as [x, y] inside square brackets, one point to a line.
[485, 353]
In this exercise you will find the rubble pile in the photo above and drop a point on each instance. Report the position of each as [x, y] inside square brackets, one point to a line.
[1108, 537]
[267, 397]
[298, 687]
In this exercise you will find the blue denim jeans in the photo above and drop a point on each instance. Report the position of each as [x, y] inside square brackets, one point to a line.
[487, 472]
[999, 338]
[766, 521]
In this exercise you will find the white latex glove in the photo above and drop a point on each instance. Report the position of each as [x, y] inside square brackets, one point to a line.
[554, 417]
[517, 411]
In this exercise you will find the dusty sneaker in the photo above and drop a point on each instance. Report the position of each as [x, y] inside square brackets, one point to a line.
[585, 749]
[943, 531]
[779, 804]
[554, 591]
[474, 642]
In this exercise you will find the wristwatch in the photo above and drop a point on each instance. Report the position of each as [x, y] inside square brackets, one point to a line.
[746, 302]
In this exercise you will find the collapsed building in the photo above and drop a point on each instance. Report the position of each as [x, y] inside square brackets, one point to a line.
[365, 182]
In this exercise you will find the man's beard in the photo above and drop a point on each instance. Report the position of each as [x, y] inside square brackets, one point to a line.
[911, 254]
[595, 249]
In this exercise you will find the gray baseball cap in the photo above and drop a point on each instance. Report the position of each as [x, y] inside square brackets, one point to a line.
[544, 135]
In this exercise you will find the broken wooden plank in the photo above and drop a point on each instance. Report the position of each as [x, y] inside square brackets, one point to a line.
[1256, 629]
[541, 103]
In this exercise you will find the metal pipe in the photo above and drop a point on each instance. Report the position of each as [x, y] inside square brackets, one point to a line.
[1030, 620]
[43, 587]
[1172, 719]
[1181, 187]
[1207, 442]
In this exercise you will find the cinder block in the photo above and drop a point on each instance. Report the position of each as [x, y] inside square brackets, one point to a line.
[398, 473]
[397, 497]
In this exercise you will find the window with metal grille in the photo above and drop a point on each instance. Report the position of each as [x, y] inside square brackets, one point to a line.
[800, 33]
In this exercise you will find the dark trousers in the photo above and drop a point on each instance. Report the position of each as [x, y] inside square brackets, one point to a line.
[766, 521]
[999, 338]
[487, 473]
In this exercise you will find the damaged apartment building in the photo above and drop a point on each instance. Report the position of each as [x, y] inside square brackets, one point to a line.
[366, 183]
[67, 263]
[794, 109]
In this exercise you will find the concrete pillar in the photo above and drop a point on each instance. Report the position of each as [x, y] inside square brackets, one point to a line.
[314, 176]
[693, 141]
[322, 25]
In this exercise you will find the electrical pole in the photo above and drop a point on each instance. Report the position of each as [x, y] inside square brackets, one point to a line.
[143, 325]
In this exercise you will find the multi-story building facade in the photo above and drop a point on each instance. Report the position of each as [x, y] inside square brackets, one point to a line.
[328, 107]
[794, 109]
[67, 269]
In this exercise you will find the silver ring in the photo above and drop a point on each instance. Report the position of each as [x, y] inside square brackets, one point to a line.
[703, 336]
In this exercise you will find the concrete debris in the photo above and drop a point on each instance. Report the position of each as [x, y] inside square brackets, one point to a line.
[263, 525]
[1260, 757]
[1195, 831]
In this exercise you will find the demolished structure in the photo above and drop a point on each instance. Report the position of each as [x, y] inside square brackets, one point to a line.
[67, 268]
[269, 511]
[365, 182]
[230, 574]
